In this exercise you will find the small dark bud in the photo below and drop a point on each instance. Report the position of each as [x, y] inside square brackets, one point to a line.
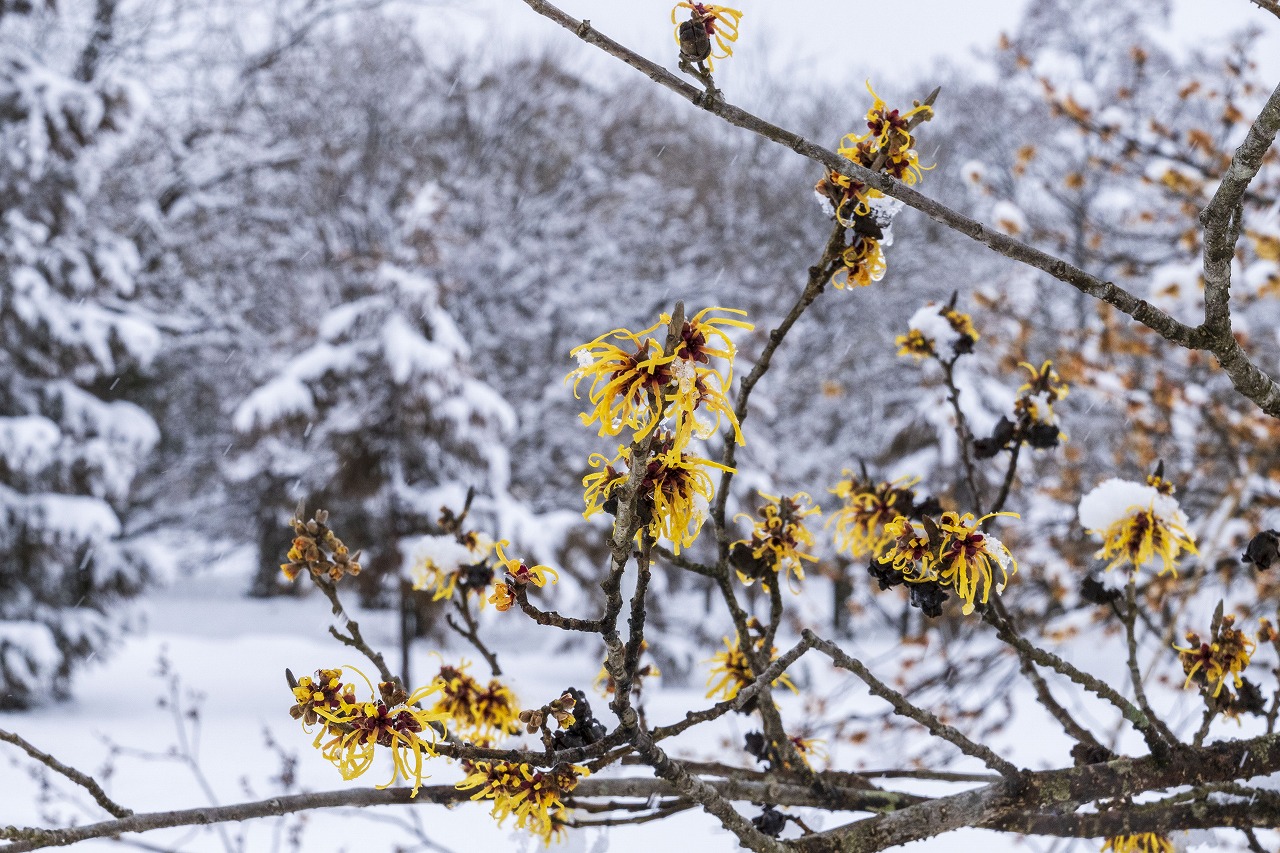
[1004, 431]
[1263, 550]
[867, 226]
[926, 506]
[743, 558]
[1249, 699]
[1043, 436]
[929, 597]
[477, 576]
[695, 42]
[1086, 754]
[964, 345]
[611, 506]
[756, 746]
[586, 729]
[771, 822]
[887, 576]
[1095, 591]
[986, 448]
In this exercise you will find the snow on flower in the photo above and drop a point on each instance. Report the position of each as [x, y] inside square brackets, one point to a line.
[1136, 523]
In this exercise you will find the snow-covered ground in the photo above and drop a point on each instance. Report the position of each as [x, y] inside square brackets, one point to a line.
[233, 651]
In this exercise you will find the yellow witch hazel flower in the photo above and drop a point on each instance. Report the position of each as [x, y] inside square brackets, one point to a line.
[635, 390]
[390, 719]
[731, 671]
[626, 387]
[1146, 842]
[953, 553]
[939, 332]
[478, 713]
[520, 572]
[862, 262]
[887, 146]
[442, 563]
[866, 510]
[1137, 523]
[776, 540]
[674, 495]
[708, 34]
[889, 141]
[1210, 664]
[533, 796]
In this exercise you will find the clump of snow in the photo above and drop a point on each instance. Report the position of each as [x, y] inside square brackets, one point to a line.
[28, 652]
[1115, 499]
[1008, 218]
[974, 173]
[1261, 277]
[444, 553]
[930, 322]
[27, 444]
[280, 398]
[410, 355]
[825, 203]
[70, 518]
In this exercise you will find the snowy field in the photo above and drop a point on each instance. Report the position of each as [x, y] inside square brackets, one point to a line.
[233, 652]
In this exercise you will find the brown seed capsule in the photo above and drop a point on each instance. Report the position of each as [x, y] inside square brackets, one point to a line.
[695, 42]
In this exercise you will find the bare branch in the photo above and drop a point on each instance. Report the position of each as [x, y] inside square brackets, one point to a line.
[901, 706]
[83, 780]
[1222, 219]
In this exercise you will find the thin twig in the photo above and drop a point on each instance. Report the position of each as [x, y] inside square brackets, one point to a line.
[963, 433]
[82, 779]
[353, 637]
[904, 708]
[471, 632]
[1129, 618]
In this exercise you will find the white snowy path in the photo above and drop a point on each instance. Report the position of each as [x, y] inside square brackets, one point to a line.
[234, 651]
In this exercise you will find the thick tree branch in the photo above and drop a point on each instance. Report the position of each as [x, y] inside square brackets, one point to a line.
[1221, 218]
[1058, 791]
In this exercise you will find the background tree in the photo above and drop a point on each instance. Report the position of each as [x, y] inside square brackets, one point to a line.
[73, 348]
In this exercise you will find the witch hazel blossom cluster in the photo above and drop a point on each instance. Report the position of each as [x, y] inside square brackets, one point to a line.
[1137, 523]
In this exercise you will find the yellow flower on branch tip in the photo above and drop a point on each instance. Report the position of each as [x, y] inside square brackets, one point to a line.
[1142, 536]
[533, 796]
[1044, 380]
[861, 263]
[1137, 523]
[968, 556]
[521, 573]
[861, 521]
[1225, 656]
[1146, 842]
[776, 539]
[731, 671]
[390, 719]
[504, 596]
[887, 132]
[673, 496]
[626, 387]
[635, 390]
[908, 550]
[717, 23]
[915, 344]
[477, 712]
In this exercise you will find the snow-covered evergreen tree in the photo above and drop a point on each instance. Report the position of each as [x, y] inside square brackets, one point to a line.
[69, 346]
[379, 419]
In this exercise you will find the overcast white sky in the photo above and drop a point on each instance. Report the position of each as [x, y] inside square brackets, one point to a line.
[835, 39]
